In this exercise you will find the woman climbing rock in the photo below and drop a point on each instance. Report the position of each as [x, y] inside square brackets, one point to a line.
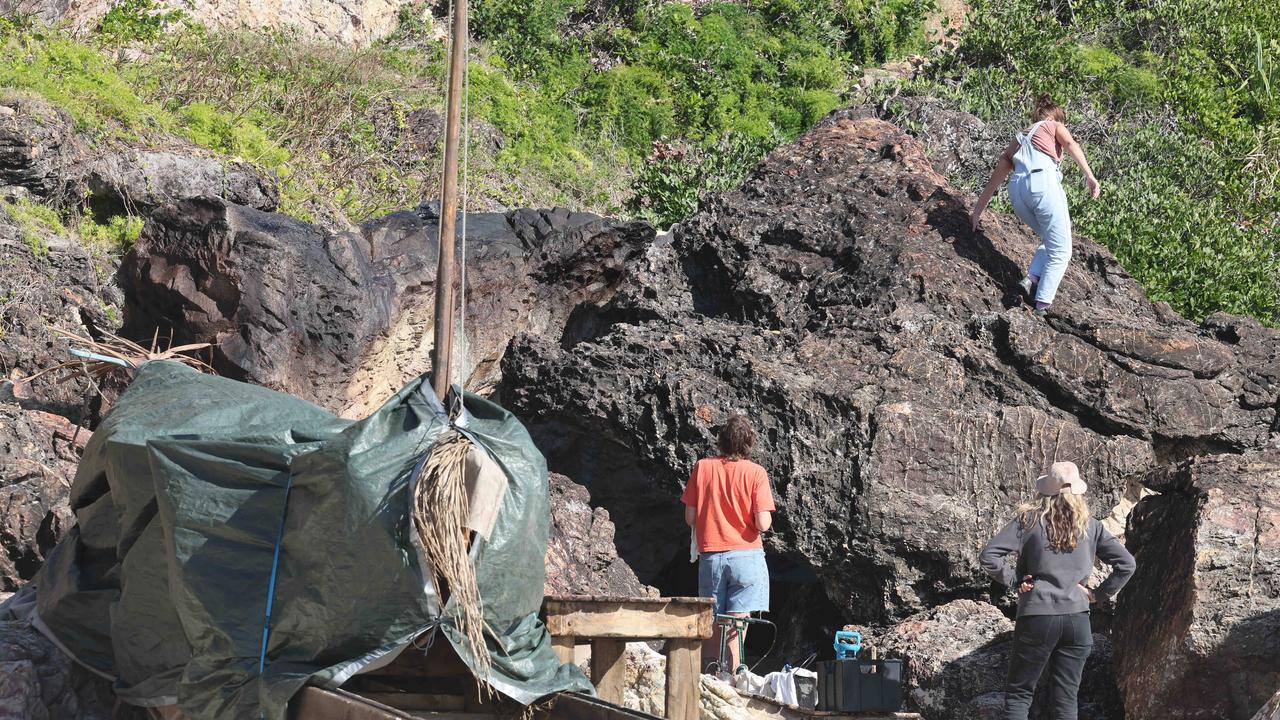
[1055, 541]
[1035, 190]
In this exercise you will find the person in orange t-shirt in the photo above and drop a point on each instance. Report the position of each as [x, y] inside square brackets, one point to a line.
[728, 504]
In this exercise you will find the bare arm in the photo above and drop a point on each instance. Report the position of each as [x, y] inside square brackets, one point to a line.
[689, 515]
[764, 521]
[1004, 166]
[1076, 152]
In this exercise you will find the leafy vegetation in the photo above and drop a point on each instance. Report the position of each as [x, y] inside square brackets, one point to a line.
[35, 223]
[115, 236]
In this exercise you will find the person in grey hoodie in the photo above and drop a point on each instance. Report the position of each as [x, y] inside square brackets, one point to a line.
[1055, 541]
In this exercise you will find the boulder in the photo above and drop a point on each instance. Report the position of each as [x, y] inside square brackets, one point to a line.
[955, 658]
[1197, 630]
[42, 155]
[344, 319]
[137, 181]
[581, 556]
[905, 399]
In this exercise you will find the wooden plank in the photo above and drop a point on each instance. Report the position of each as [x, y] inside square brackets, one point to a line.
[609, 668]
[313, 703]
[629, 599]
[417, 701]
[563, 645]
[573, 706]
[631, 620]
[684, 679]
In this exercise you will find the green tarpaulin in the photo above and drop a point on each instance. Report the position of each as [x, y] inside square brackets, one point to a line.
[195, 488]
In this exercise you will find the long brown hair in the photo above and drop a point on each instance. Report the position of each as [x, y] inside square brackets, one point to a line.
[1065, 518]
[1047, 109]
[737, 438]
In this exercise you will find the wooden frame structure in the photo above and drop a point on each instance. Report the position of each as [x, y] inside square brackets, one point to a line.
[609, 623]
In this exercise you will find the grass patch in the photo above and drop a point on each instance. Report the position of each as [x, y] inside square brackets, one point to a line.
[35, 223]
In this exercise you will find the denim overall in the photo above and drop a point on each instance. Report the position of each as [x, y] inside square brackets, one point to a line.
[1035, 189]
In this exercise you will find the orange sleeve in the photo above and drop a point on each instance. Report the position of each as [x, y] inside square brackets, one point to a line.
[690, 496]
[762, 497]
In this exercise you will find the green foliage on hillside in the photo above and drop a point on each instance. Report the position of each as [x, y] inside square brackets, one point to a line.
[742, 74]
[1177, 107]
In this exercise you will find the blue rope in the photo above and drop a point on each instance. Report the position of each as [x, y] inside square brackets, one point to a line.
[275, 568]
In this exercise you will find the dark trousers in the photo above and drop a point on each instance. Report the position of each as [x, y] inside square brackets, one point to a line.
[1060, 642]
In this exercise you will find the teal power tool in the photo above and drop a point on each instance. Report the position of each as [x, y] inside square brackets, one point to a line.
[848, 644]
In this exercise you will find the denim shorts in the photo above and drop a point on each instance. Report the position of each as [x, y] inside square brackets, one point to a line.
[737, 579]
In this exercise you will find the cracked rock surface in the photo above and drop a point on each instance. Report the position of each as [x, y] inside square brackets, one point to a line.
[904, 398]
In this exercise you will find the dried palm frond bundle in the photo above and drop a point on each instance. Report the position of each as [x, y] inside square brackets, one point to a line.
[440, 510]
[111, 354]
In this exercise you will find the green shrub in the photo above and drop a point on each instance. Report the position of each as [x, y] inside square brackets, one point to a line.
[116, 235]
[35, 223]
[676, 177]
[137, 20]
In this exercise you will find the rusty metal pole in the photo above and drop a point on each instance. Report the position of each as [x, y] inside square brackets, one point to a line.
[446, 277]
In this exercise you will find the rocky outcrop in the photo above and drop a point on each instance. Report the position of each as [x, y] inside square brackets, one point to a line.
[41, 292]
[39, 149]
[352, 22]
[905, 401]
[1198, 632]
[955, 658]
[343, 320]
[581, 556]
[139, 181]
[41, 154]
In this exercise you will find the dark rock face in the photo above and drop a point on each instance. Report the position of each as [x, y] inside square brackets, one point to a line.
[958, 144]
[38, 148]
[905, 402]
[343, 320]
[1198, 631]
[581, 556]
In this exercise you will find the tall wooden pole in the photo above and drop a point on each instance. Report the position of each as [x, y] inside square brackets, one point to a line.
[446, 279]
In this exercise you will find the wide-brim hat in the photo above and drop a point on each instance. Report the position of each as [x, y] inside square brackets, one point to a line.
[1062, 477]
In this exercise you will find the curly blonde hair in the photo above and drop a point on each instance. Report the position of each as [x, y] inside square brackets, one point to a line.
[1065, 518]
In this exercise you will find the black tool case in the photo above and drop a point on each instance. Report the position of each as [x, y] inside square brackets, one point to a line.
[851, 685]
